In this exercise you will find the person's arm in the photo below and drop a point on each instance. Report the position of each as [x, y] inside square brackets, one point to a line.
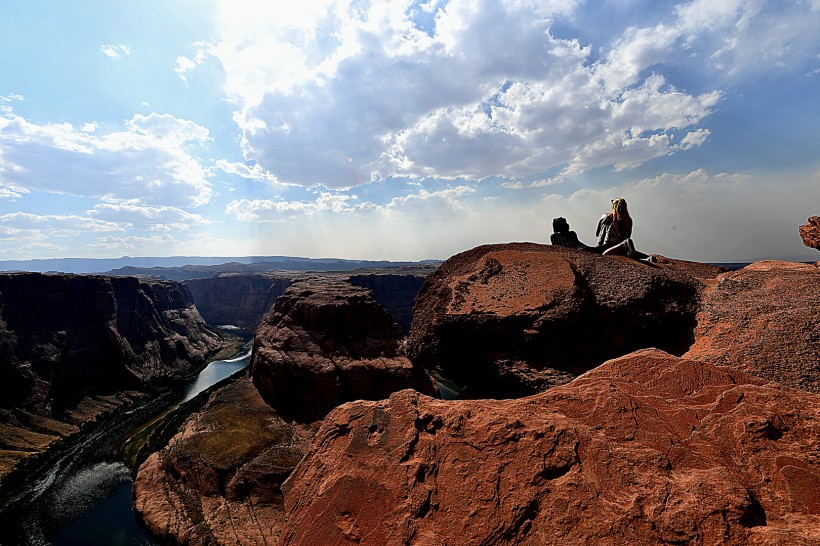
[628, 229]
[601, 223]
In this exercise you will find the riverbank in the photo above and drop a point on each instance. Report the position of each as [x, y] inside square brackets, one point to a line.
[28, 492]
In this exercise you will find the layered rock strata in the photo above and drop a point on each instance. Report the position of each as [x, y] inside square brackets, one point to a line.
[763, 319]
[75, 347]
[810, 232]
[645, 449]
[327, 342]
[510, 320]
[236, 299]
[395, 292]
[219, 479]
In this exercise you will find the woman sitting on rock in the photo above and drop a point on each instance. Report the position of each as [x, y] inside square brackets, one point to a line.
[614, 233]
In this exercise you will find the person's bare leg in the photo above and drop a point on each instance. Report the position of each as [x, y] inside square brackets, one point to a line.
[621, 249]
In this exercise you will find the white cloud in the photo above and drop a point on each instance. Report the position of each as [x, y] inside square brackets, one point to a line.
[340, 93]
[115, 51]
[148, 246]
[153, 159]
[139, 216]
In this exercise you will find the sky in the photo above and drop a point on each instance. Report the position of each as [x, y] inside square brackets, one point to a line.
[405, 130]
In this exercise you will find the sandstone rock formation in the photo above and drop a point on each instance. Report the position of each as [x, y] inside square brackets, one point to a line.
[395, 292]
[327, 342]
[236, 299]
[645, 449]
[514, 319]
[218, 480]
[74, 347]
[763, 319]
[810, 232]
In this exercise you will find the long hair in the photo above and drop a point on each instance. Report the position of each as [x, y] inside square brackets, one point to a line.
[619, 210]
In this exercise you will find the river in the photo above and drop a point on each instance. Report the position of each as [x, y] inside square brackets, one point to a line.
[85, 498]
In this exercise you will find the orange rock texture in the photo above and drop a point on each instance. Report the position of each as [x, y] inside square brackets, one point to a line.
[645, 449]
[218, 480]
[327, 342]
[810, 232]
[763, 319]
[511, 320]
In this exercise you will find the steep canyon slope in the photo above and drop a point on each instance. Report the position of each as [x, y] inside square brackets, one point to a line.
[73, 347]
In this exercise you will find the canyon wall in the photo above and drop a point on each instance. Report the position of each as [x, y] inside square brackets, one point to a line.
[239, 300]
[73, 347]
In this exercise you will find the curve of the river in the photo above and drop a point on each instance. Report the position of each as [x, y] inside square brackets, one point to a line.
[85, 499]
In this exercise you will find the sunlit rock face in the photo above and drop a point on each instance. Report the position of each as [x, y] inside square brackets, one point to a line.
[513, 319]
[810, 232]
[645, 449]
[763, 319]
[73, 347]
[327, 342]
[218, 481]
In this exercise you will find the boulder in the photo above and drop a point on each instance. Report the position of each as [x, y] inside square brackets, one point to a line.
[513, 319]
[810, 232]
[218, 480]
[327, 342]
[763, 319]
[645, 449]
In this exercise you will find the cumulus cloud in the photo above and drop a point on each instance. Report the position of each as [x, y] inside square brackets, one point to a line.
[153, 159]
[342, 93]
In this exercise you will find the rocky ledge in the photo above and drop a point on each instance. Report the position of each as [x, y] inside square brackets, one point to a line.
[511, 320]
[645, 449]
[74, 347]
[763, 319]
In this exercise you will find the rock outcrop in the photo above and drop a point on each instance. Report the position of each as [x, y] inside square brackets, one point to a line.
[810, 232]
[513, 319]
[74, 347]
[327, 342]
[763, 319]
[218, 480]
[236, 299]
[645, 449]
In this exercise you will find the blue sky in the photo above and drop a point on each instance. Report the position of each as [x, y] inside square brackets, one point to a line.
[405, 130]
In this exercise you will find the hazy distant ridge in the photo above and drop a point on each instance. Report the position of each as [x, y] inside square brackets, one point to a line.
[108, 265]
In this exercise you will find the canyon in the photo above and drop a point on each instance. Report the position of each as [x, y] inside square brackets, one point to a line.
[75, 348]
[604, 400]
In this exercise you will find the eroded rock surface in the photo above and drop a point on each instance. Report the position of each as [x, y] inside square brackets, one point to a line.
[810, 232]
[763, 319]
[236, 299]
[74, 347]
[327, 342]
[645, 449]
[218, 480]
[514, 319]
